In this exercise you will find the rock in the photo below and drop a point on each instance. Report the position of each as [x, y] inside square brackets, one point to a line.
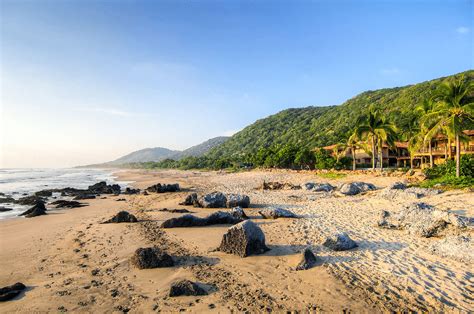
[279, 186]
[318, 187]
[84, 196]
[67, 204]
[145, 193]
[186, 287]
[460, 248]
[38, 210]
[122, 216]
[213, 200]
[244, 239]
[408, 193]
[181, 211]
[44, 193]
[5, 209]
[397, 186]
[383, 223]
[191, 199]
[7, 200]
[354, 188]
[340, 242]
[308, 261]
[121, 200]
[103, 188]
[234, 200]
[217, 218]
[9, 292]
[239, 213]
[274, 213]
[131, 191]
[163, 188]
[29, 200]
[151, 257]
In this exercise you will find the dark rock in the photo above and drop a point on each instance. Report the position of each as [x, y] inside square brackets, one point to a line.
[239, 213]
[186, 287]
[132, 191]
[279, 186]
[309, 260]
[234, 200]
[213, 200]
[7, 200]
[244, 239]
[397, 186]
[67, 204]
[340, 242]
[383, 222]
[44, 193]
[191, 199]
[10, 292]
[180, 211]
[151, 257]
[274, 213]
[5, 209]
[29, 200]
[145, 193]
[122, 216]
[84, 196]
[354, 188]
[121, 200]
[318, 187]
[163, 188]
[37, 210]
[103, 188]
[217, 218]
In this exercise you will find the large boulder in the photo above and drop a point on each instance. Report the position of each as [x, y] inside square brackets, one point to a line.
[186, 287]
[163, 188]
[217, 218]
[460, 248]
[38, 210]
[151, 257]
[400, 190]
[9, 292]
[274, 213]
[244, 239]
[339, 242]
[318, 187]
[354, 188]
[239, 213]
[122, 216]
[191, 199]
[103, 188]
[234, 200]
[308, 261]
[213, 200]
[29, 200]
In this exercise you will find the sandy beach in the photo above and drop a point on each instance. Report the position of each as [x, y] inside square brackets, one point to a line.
[71, 262]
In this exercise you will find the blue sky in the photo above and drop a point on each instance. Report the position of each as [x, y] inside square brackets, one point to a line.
[88, 81]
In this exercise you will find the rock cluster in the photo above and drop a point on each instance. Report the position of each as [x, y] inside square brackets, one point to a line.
[217, 200]
[186, 287]
[38, 210]
[151, 257]
[103, 188]
[354, 188]
[244, 239]
[122, 216]
[217, 218]
[163, 188]
[10, 292]
[339, 242]
[131, 191]
[279, 186]
[274, 213]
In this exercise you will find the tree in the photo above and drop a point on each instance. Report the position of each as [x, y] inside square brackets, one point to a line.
[305, 157]
[453, 112]
[376, 129]
[423, 109]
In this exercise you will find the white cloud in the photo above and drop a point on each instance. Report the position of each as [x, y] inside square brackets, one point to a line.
[390, 71]
[463, 30]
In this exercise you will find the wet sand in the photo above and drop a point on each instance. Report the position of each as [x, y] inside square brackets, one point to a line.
[70, 261]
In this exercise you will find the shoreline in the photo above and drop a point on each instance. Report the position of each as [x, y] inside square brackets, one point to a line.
[54, 255]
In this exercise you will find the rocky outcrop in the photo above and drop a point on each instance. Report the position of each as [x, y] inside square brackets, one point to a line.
[186, 287]
[103, 188]
[38, 210]
[84, 196]
[217, 218]
[425, 220]
[240, 200]
[5, 209]
[213, 200]
[308, 261]
[354, 188]
[67, 204]
[163, 188]
[151, 257]
[122, 216]
[238, 213]
[339, 242]
[9, 292]
[318, 187]
[400, 190]
[244, 239]
[29, 200]
[460, 248]
[44, 193]
[7, 199]
[274, 213]
[131, 191]
[191, 199]
[279, 186]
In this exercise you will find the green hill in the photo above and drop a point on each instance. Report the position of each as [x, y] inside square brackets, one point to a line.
[319, 126]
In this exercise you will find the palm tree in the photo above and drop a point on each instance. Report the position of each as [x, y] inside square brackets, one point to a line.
[376, 129]
[452, 112]
[412, 135]
[423, 109]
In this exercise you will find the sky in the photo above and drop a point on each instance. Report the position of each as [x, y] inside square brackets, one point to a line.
[87, 81]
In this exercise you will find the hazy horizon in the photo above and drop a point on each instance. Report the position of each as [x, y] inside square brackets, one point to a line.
[88, 82]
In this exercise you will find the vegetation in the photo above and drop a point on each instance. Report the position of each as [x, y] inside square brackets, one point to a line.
[445, 175]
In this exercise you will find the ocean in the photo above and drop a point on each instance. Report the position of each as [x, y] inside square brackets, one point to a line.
[17, 183]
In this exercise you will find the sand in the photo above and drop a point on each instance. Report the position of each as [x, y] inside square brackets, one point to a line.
[70, 261]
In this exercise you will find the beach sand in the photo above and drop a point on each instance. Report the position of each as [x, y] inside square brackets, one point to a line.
[70, 261]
